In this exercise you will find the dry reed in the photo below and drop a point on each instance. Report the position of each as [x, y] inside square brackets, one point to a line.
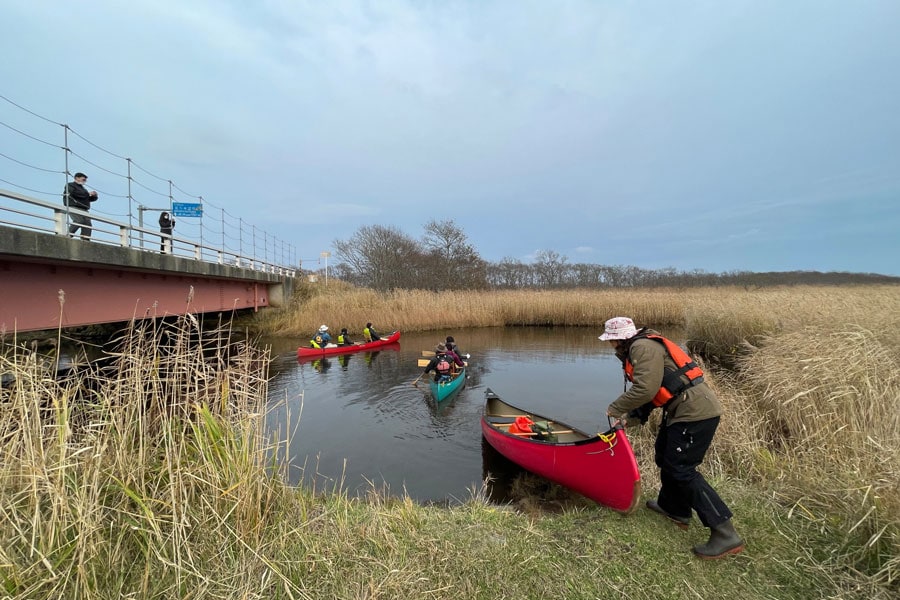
[146, 476]
[809, 376]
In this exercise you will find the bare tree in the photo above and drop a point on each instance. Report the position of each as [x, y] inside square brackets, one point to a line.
[509, 273]
[550, 268]
[380, 257]
[454, 263]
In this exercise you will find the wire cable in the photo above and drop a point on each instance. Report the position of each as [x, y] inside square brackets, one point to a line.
[30, 112]
[184, 192]
[139, 167]
[111, 195]
[96, 165]
[30, 166]
[136, 182]
[102, 149]
[8, 126]
[22, 187]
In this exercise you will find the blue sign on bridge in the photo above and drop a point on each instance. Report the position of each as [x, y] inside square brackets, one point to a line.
[187, 209]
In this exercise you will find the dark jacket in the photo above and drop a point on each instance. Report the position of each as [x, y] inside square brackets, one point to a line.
[452, 359]
[77, 196]
[166, 223]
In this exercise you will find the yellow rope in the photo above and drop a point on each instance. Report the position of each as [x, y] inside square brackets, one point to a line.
[609, 439]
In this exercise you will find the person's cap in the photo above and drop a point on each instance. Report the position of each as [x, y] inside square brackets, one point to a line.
[323, 328]
[368, 324]
[450, 338]
[440, 348]
[79, 174]
[343, 330]
[619, 328]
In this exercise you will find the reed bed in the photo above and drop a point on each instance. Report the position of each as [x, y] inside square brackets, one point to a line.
[147, 476]
[341, 305]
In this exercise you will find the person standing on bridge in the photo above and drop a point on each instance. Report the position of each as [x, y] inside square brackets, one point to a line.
[75, 195]
[166, 225]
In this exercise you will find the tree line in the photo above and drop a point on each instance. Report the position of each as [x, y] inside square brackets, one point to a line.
[384, 258]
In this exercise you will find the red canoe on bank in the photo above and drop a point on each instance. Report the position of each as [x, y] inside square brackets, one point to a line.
[305, 351]
[600, 466]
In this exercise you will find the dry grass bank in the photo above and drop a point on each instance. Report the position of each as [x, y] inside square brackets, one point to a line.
[340, 305]
[152, 478]
[136, 480]
[810, 377]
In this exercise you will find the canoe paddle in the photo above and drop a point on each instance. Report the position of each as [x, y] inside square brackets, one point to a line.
[416, 380]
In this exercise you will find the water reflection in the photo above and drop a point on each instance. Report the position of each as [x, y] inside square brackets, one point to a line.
[366, 424]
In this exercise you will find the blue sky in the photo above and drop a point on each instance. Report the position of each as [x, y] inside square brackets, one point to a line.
[743, 135]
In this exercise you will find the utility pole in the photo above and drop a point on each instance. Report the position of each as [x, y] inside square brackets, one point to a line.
[325, 255]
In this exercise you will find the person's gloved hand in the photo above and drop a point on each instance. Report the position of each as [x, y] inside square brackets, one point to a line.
[641, 413]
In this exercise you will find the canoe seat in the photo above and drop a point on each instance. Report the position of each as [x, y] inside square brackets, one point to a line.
[500, 420]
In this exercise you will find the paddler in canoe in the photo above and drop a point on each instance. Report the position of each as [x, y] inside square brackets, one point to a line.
[664, 375]
[443, 364]
[370, 334]
[344, 338]
[321, 339]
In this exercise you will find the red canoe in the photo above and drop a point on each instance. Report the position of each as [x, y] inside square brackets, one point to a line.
[600, 466]
[305, 351]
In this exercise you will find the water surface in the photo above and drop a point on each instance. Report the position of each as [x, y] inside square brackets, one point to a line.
[361, 422]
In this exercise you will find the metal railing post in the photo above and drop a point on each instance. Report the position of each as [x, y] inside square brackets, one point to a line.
[66, 188]
[201, 223]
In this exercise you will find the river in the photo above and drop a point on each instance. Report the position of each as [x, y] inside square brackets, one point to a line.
[357, 422]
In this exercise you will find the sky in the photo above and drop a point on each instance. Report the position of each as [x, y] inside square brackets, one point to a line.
[757, 135]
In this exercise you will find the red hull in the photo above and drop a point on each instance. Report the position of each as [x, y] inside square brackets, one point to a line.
[601, 468]
[306, 352]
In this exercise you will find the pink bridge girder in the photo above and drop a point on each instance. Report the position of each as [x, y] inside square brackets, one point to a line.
[39, 296]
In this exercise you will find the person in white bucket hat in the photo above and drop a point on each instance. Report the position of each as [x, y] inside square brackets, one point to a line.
[663, 375]
[322, 339]
[618, 328]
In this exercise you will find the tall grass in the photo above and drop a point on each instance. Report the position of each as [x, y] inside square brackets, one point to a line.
[152, 476]
[810, 377]
[146, 476]
[340, 305]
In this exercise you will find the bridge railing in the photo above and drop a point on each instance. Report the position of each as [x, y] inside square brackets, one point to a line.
[264, 254]
[39, 156]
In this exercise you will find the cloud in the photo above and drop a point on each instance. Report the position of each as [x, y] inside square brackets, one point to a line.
[689, 125]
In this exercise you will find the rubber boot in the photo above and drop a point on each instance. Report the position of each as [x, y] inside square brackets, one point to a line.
[681, 522]
[723, 540]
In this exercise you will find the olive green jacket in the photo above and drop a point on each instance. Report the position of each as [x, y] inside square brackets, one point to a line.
[649, 359]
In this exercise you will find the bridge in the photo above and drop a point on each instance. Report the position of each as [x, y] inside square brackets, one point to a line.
[49, 279]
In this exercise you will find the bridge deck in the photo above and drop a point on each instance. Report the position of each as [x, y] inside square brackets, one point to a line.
[48, 281]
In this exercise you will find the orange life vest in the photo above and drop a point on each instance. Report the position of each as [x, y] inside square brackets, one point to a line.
[521, 425]
[672, 384]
